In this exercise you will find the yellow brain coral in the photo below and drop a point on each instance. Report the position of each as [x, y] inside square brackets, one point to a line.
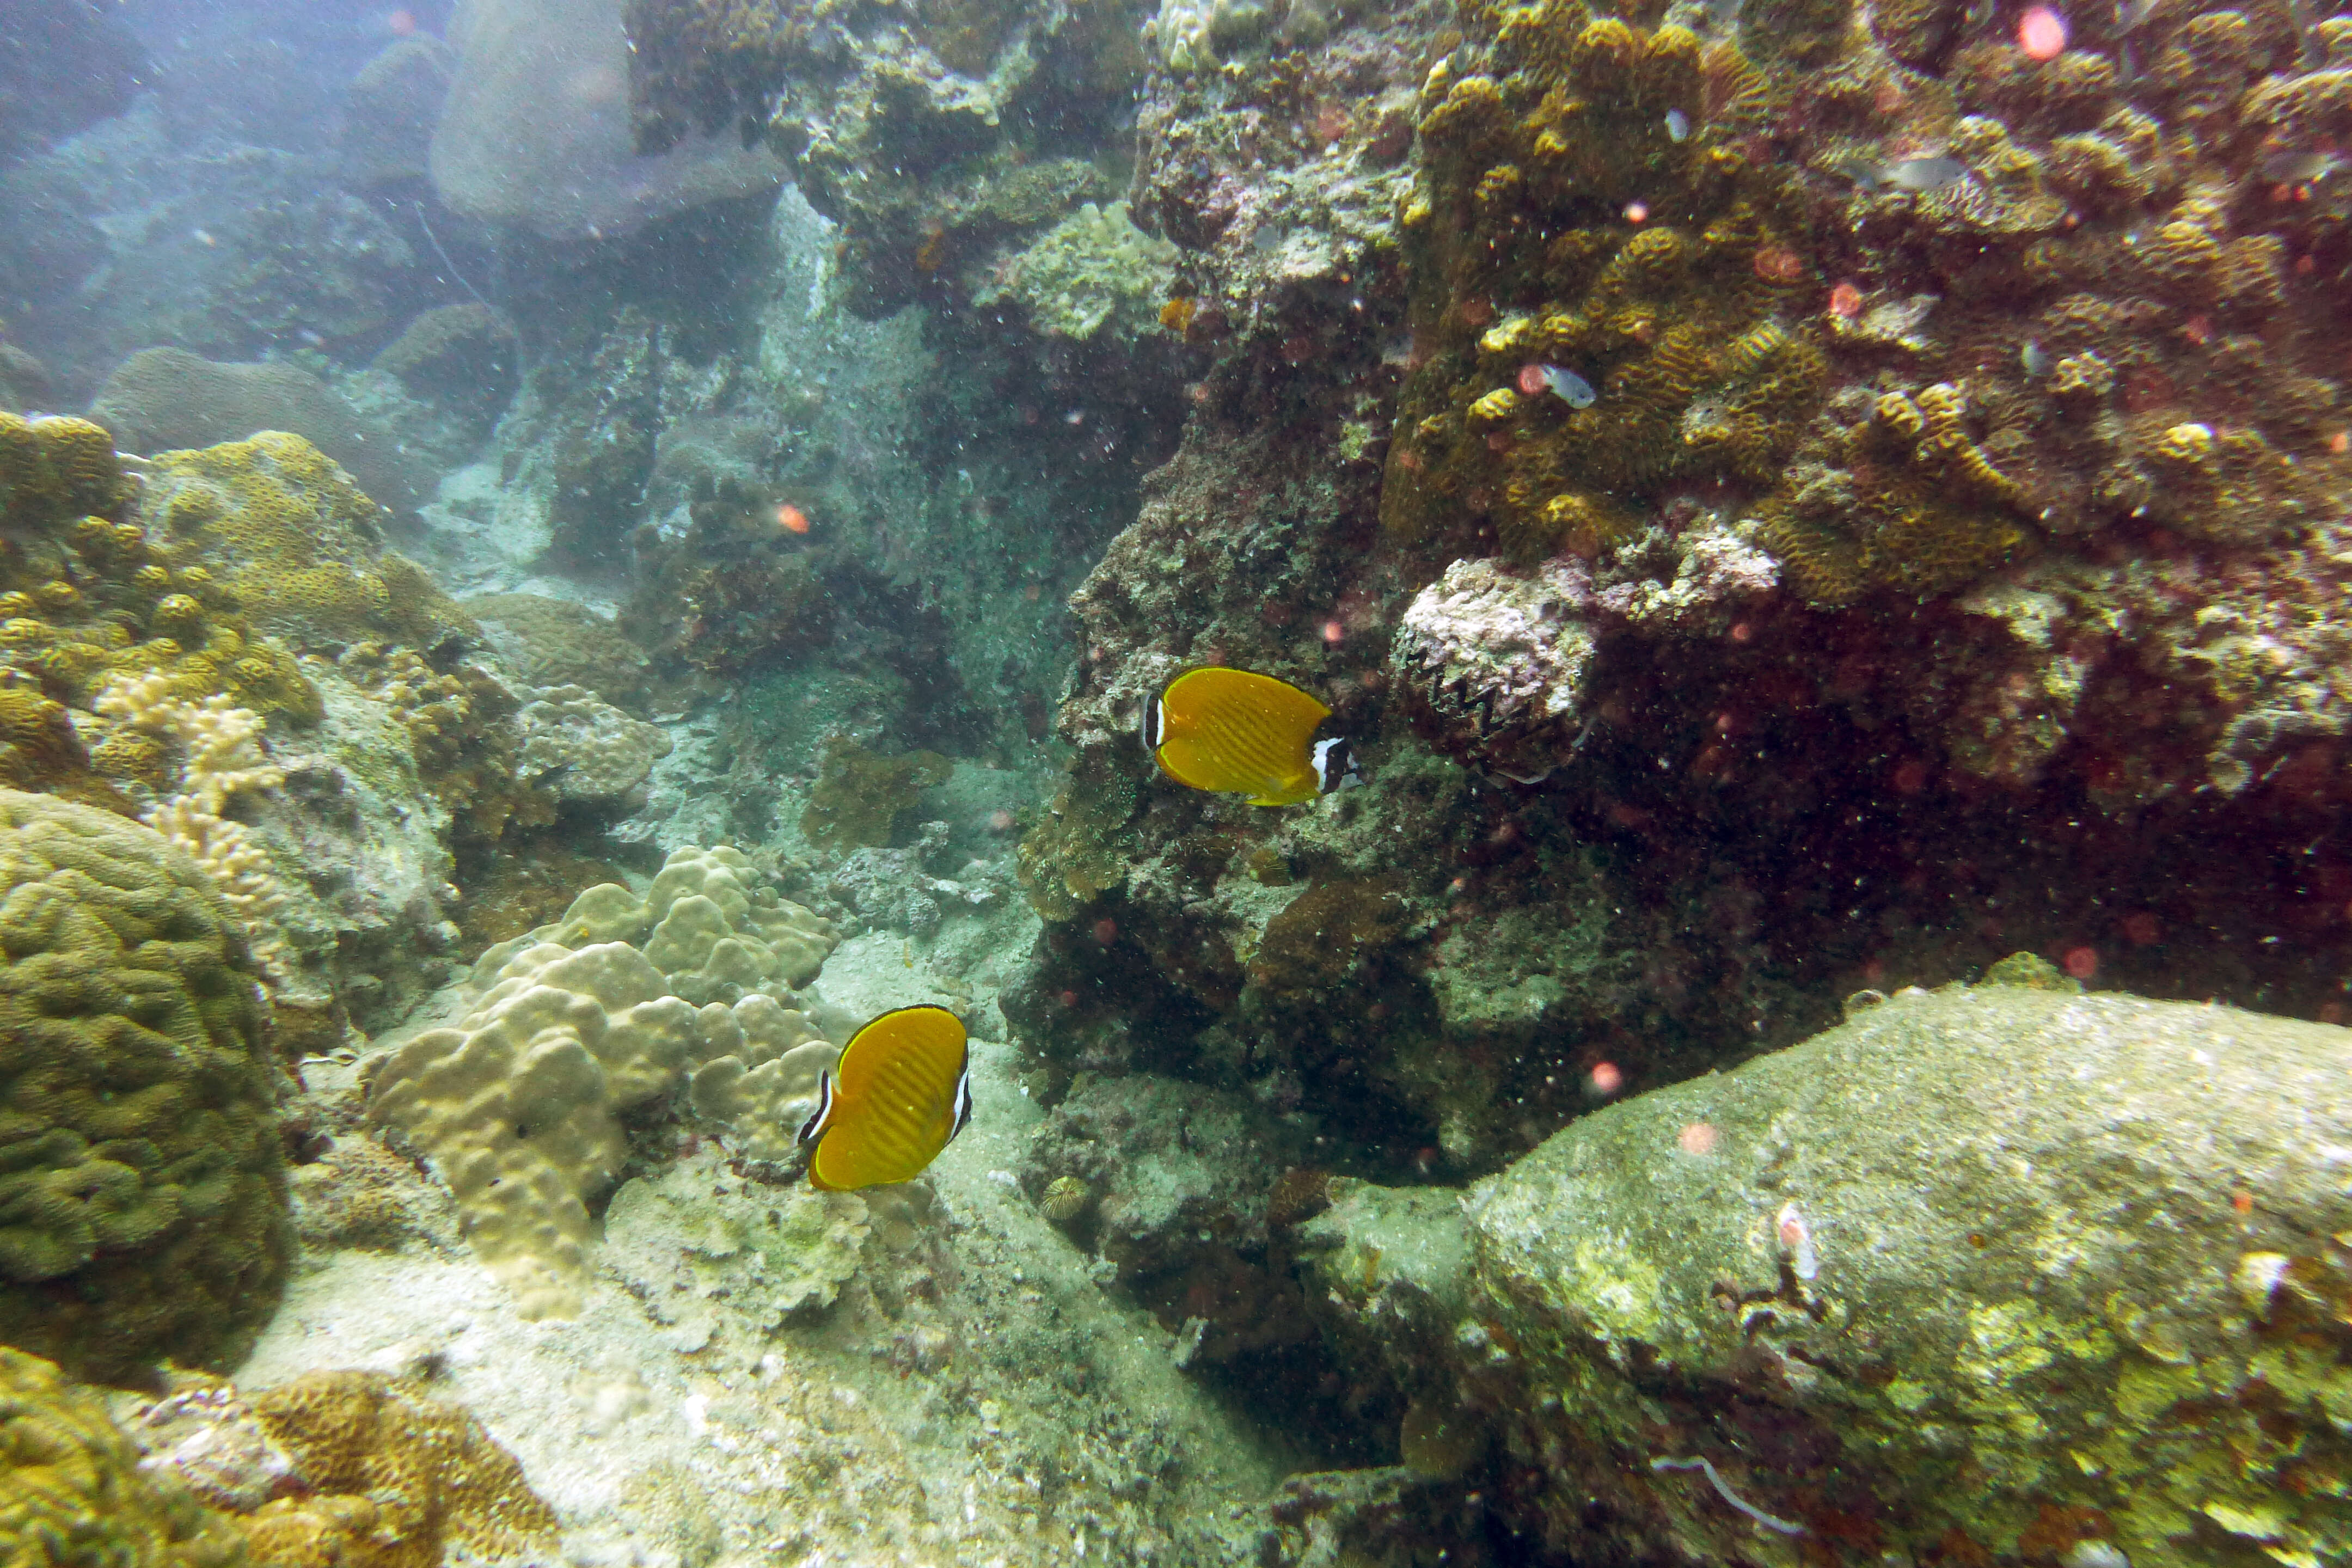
[72, 1492]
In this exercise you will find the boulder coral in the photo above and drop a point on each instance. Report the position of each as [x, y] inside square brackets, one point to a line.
[144, 1207]
[284, 528]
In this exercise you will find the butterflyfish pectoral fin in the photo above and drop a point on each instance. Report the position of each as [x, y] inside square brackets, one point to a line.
[901, 1094]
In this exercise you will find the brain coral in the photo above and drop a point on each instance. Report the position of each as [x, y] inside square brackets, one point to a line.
[296, 542]
[72, 1490]
[142, 1185]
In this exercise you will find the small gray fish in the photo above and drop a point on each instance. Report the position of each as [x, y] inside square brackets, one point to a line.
[1926, 174]
[1677, 125]
[1567, 386]
[2301, 168]
[2034, 358]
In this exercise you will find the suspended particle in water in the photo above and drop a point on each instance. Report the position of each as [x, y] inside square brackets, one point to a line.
[1605, 1080]
[2042, 34]
[2082, 963]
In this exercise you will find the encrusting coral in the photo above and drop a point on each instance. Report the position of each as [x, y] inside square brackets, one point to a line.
[142, 1207]
[72, 1489]
[395, 1479]
[1604, 305]
[87, 594]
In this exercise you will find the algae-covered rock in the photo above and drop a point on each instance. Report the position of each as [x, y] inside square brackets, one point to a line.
[72, 1489]
[692, 1237]
[859, 794]
[2008, 1267]
[1093, 269]
[142, 1185]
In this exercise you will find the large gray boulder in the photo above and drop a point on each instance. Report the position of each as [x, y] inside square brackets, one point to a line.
[2055, 1274]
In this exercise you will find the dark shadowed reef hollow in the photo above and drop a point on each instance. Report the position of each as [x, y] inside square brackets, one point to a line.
[1611, 745]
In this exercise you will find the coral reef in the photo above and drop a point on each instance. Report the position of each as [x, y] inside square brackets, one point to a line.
[146, 1201]
[1678, 325]
[461, 729]
[1095, 269]
[87, 595]
[169, 400]
[555, 642]
[860, 796]
[1496, 662]
[800, 1252]
[464, 359]
[288, 533]
[389, 110]
[1789, 1266]
[396, 1479]
[521, 1105]
[220, 754]
[75, 1490]
[941, 147]
[517, 1105]
[1176, 1176]
[736, 593]
[710, 923]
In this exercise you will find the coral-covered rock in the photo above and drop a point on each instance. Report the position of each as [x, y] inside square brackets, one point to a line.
[586, 751]
[1792, 1273]
[169, 399]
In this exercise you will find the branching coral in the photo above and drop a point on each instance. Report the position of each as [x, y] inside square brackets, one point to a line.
[220, 747]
